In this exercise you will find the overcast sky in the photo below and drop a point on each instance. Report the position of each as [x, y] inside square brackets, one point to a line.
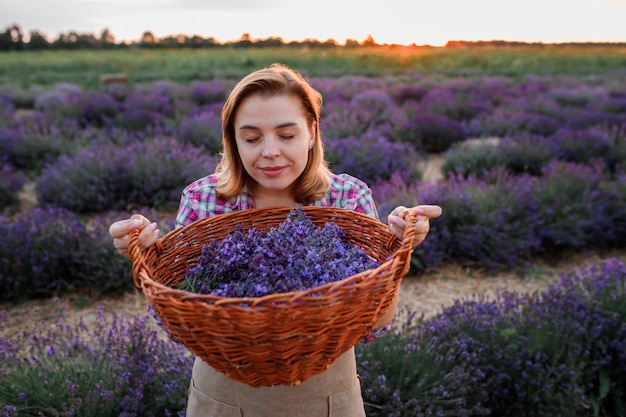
[389, 21]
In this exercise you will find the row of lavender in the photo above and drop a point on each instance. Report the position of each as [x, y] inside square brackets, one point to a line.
[558, 353]
[554, 180]
[499, 220]
[373, 127]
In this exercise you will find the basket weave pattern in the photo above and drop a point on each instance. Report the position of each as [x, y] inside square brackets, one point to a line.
[279, 338]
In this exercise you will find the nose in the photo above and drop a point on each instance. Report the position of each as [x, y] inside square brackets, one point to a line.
[271, 147]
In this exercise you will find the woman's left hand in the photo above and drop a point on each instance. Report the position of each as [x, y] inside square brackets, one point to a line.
[423, 213]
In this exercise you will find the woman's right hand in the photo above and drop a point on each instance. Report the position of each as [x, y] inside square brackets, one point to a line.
[120, 231]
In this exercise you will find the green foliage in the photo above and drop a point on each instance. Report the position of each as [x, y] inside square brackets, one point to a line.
[84, 67]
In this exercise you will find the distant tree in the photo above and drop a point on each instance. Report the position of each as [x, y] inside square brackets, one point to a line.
[351, 43]
[87, 41]
[38, 41]
[172, 41]
[6, 44]
[12, 39]
[195, 41]
[269, 42]
[369, 41]
[210, 42]
[75, 40]
[61, 42]
[107, 40]
[148, 40]
[244, 41]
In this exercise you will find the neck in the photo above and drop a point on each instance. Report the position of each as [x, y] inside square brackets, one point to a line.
[270, 198]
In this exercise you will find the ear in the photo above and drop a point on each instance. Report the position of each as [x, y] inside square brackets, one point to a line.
[313, 131]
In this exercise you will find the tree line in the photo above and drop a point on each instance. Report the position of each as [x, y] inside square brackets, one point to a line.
[13, 39]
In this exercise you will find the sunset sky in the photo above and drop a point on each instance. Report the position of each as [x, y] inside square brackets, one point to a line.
[430, 22]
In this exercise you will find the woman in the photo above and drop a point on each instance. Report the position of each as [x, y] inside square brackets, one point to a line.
[272, 155]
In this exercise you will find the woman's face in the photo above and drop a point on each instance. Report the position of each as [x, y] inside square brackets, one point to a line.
[273, 139]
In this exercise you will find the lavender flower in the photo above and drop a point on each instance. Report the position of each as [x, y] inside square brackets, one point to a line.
[255, 263]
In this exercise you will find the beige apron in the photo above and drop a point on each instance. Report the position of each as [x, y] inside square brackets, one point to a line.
[334, 393]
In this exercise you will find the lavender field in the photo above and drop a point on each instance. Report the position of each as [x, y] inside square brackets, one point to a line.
[534, 165]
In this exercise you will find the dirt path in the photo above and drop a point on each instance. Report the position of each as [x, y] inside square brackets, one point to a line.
[426, 294]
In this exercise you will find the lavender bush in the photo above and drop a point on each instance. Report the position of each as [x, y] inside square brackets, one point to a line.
[415, 372]
[115, 367]
[502, 121]
[7, 109]
[11, 183]
[616, 210]
[503, 220]
[51, 251]
[433, 133]
[573, 206]
[492, 220]
[254, 263]
[558, 353]
[538, 124]
[98, 109]
[203, 130]
[458, 100]
[33, 142]
[207, 92]
[101, 178]
[39, 253]
[526, 154]
[372, 158]
[61, 101]
[529, 153]
[580, 146]
[476, 160]
[140, 119]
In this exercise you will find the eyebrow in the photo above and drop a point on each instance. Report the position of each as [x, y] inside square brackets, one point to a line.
[280, 126]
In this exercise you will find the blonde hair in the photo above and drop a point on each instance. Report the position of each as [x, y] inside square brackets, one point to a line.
[276, 79]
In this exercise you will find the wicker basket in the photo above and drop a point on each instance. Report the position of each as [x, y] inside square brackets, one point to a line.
[278, 338]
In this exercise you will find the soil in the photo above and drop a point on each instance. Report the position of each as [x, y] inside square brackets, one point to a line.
[425, 294]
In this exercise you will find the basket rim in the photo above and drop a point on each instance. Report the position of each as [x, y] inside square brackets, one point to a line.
[284, 297]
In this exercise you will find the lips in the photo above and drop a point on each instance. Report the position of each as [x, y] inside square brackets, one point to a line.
[273, 171]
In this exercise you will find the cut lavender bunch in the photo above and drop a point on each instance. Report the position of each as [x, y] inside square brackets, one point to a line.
[293, 256]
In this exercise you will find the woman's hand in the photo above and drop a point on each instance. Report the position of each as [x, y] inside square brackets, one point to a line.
[423, 213]
[120, 230]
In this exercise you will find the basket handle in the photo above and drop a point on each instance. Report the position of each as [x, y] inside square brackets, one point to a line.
[403, 254]
[139, 256]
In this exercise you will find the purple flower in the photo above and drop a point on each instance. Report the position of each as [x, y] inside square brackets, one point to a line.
[255, 263]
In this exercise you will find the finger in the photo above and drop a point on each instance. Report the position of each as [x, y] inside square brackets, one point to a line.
[396, 224]
[121, 245]
[398, 211]
[430, 211]
[123, 227]
[148, 236]
[422, 226]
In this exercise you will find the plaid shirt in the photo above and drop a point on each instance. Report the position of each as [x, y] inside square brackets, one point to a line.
[198, 201]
